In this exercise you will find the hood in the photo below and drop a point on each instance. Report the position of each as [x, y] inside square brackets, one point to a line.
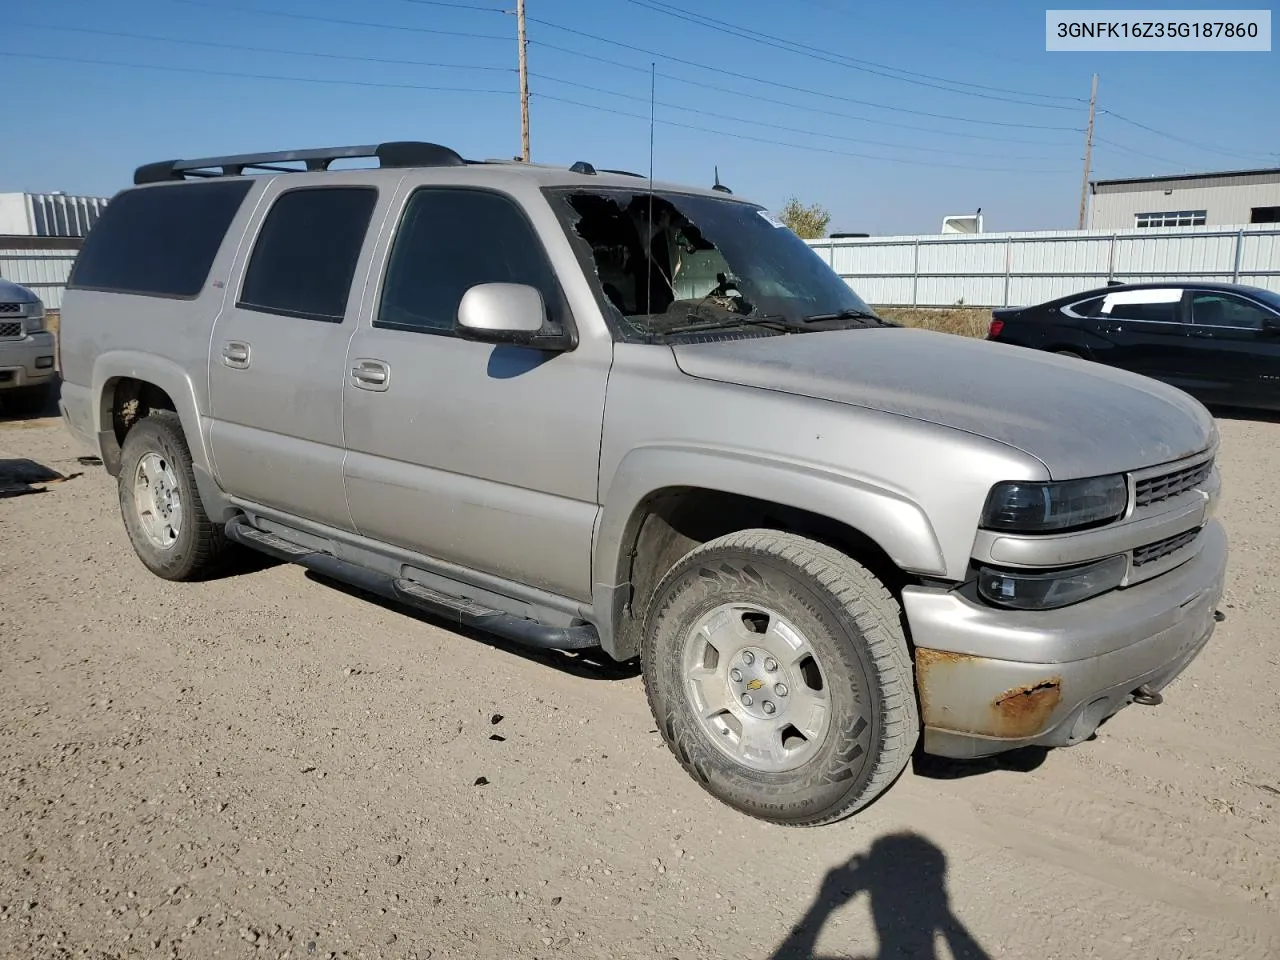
[1078, 418]
[13, 293]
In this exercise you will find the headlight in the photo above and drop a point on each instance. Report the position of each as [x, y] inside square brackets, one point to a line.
[1034, 590]
[34, 321]
[1025, 507]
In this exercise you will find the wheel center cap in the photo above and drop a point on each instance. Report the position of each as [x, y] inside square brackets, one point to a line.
[759, 683]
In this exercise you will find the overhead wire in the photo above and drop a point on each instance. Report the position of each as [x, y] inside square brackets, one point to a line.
[787, 86]
[1186, 142]
[866, 66]
[792, 105]
[783, 143]
[240, 74]
[279, 51]
[774, 126]
[317, 18]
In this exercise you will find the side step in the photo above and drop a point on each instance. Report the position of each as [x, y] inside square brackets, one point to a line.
[459, 610]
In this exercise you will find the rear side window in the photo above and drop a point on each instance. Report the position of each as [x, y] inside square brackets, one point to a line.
[305, 256]
[1149, 312]
[158, 241]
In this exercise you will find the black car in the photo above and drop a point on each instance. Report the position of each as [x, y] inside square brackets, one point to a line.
[1220, 342]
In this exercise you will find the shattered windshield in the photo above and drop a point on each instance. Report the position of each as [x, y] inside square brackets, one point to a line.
[675, 263]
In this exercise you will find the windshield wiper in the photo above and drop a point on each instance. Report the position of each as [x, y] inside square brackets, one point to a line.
[846, 314]
[769, 321]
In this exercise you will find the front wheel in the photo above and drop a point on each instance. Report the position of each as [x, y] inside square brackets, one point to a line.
[778, 672]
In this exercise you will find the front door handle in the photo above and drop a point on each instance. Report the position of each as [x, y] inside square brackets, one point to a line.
[371, 374]
[235, 354]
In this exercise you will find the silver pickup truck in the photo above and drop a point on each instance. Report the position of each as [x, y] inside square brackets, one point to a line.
[27, 355]
[580, 410]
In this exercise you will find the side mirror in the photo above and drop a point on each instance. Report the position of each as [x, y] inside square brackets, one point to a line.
[1271, 326]
[508, 313]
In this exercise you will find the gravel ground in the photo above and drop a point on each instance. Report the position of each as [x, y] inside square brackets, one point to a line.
[271, 766]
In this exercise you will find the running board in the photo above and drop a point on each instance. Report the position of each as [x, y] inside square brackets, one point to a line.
[459, 610]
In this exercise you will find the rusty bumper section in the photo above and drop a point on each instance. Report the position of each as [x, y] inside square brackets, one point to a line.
[992, 680]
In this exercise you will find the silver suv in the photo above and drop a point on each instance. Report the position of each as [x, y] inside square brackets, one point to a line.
[27, 354]
[579, 410]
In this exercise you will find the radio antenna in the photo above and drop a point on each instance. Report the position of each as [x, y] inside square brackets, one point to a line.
[648, 287]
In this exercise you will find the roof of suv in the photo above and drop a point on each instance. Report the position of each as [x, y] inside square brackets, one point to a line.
[400, 155]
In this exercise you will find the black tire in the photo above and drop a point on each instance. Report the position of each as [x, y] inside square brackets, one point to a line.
[27, 401]
[854, 626]
[200, 546]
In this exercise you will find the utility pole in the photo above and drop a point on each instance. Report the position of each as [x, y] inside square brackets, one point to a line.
[1088, 149]
[524, 83]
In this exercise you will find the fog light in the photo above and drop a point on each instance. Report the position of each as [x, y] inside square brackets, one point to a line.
[1036, 590]
[44, 363]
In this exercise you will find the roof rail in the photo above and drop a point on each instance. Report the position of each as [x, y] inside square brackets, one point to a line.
[398, 153]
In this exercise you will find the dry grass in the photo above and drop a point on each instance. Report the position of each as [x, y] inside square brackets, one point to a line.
[965, 321]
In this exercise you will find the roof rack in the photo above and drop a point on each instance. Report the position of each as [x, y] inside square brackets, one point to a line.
[398, 153]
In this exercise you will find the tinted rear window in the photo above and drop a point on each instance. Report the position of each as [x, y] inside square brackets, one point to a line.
[158, 241]
[1148, 312]
[306, 252]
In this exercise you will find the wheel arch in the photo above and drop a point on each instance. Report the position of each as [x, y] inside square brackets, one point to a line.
[127, 385]
[664, 502]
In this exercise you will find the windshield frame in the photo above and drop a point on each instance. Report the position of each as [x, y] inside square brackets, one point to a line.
[626, 329]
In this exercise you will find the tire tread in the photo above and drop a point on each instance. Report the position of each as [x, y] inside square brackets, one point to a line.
[877, 616]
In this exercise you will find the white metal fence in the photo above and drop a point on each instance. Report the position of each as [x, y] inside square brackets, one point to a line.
[983, 270]
[992, 270]
[44, 271]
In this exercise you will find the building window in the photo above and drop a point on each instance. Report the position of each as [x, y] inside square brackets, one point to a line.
[1176, 218]
[1265, 215]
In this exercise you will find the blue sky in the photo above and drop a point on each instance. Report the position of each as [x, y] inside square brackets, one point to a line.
[891, 115]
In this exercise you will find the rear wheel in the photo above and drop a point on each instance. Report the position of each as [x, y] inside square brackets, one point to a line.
[162, 512]
[778, 672]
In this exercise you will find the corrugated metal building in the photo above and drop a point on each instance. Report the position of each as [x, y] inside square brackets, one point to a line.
[999, 269]
[48, 214]
[1229, 199]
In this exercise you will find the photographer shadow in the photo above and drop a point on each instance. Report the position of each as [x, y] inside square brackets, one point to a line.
[904, 877]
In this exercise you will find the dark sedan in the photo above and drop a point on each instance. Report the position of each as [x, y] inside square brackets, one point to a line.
[1220, 342]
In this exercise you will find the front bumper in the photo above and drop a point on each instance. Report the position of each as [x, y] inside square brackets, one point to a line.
[992, 680]
[28, 362]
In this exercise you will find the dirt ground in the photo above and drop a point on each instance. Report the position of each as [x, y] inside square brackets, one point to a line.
[270, 766]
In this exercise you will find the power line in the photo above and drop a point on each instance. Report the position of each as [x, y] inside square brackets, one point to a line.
[1121, 146]
[787, 86]
[783, 143]
[254, 76]
[252, 49]
[455, 5]
[760, 98]
[223, 7]
[775, 126]
[866, 66]
[1184, 140]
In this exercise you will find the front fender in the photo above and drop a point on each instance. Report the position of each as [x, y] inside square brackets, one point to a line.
[896, 524]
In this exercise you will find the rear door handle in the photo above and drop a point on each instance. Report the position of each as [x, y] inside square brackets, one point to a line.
[235, 354]
[371, 374]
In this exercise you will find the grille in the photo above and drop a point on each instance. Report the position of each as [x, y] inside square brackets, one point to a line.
[10, 328]
[1163, 548]
[10, 308]
[1166, 487]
